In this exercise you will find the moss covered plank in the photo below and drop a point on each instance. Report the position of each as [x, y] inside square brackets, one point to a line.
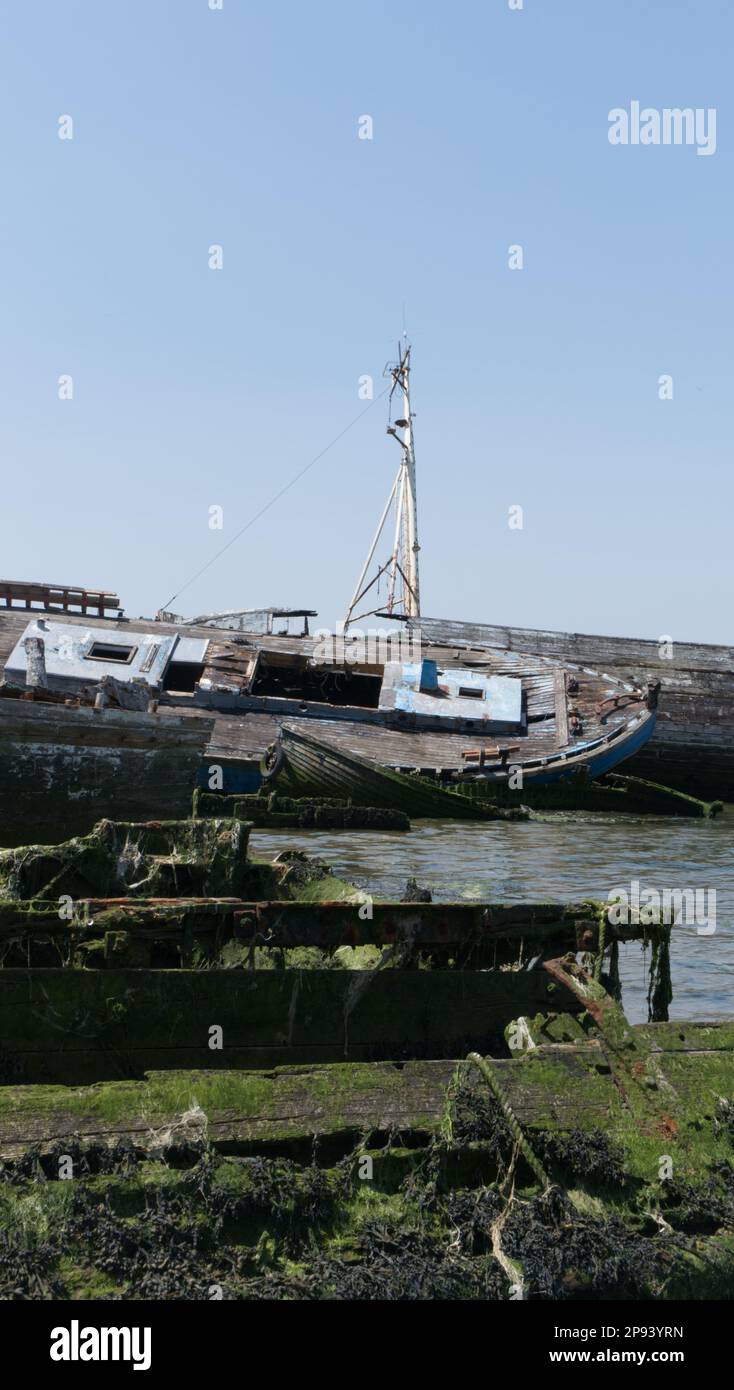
[253, 1107]
[668, 1103]
[70, 1025]
[479, 929]
[716, 1036]
[235, 1107]
[303, 813]
[557, 1088]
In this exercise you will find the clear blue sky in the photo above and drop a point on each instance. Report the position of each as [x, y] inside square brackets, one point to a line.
[195, 387]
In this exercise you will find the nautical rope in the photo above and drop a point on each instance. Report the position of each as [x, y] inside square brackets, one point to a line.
[602, 942]
[511, 1119]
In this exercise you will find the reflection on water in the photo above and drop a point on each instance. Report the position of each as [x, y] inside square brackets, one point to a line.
[564, 858]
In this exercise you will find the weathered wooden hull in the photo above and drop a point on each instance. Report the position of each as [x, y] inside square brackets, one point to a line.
[305, 765]
[64, 767]
[308, 765]
[562, 718]
[693, 744]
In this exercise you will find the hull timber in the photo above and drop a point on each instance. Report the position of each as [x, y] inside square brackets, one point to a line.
[274, 1110]
[307, 766]
[693, 745]
[62, 768]
[613, 791]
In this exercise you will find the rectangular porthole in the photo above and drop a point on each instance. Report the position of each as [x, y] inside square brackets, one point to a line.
[111, 651]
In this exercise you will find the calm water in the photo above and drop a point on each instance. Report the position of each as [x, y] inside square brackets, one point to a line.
[567, 858]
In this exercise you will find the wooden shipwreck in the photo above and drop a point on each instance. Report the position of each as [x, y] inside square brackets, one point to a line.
[74, 686]
[692, 748]
[306, 1093]
[455, 702]
[300, 765]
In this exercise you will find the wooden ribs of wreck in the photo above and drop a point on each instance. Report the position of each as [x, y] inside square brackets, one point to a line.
[120, 988]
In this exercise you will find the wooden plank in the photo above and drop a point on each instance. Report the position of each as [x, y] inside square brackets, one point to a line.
[249, 1109]
[71, 1026]
[561, 708]
[640, 654]
[484, 935]
[244, 1107]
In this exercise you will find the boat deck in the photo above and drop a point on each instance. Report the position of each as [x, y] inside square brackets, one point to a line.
[245, 735]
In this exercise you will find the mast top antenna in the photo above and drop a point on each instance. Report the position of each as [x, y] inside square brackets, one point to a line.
[401, 568]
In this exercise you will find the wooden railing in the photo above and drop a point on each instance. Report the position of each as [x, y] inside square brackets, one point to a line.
[62, 598]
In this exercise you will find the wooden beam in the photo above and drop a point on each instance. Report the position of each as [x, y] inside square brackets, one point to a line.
[561, 707]
[76, 1026]
[564, 1087]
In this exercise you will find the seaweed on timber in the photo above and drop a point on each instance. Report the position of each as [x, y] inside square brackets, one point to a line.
[272, 1228]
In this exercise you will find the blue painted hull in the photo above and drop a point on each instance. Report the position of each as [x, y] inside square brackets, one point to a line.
[604, 761]
[245, 778]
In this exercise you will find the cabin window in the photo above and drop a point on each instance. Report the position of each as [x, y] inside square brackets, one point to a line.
[471, 692]
[111, 651]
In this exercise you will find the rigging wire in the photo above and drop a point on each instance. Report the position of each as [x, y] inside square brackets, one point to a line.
[273, 500]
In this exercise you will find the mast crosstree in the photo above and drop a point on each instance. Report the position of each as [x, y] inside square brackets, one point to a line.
[401, 570]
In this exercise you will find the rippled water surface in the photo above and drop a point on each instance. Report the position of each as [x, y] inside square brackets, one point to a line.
[561, 858]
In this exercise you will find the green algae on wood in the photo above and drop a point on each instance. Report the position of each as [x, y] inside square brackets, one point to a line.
[275, 812]
[79, 1025]
[614, 793]
[310, 909]
[417, 1219]
[152, 859]
[553, 1088]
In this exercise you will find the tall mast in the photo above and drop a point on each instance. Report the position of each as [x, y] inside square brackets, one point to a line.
[401, 570]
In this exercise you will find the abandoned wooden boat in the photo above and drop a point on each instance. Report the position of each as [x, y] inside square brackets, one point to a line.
[451, 701]
[692, 748]
[493, 715]
[490, 715]
[324, 1095]
[303, 766]
[300, 764]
